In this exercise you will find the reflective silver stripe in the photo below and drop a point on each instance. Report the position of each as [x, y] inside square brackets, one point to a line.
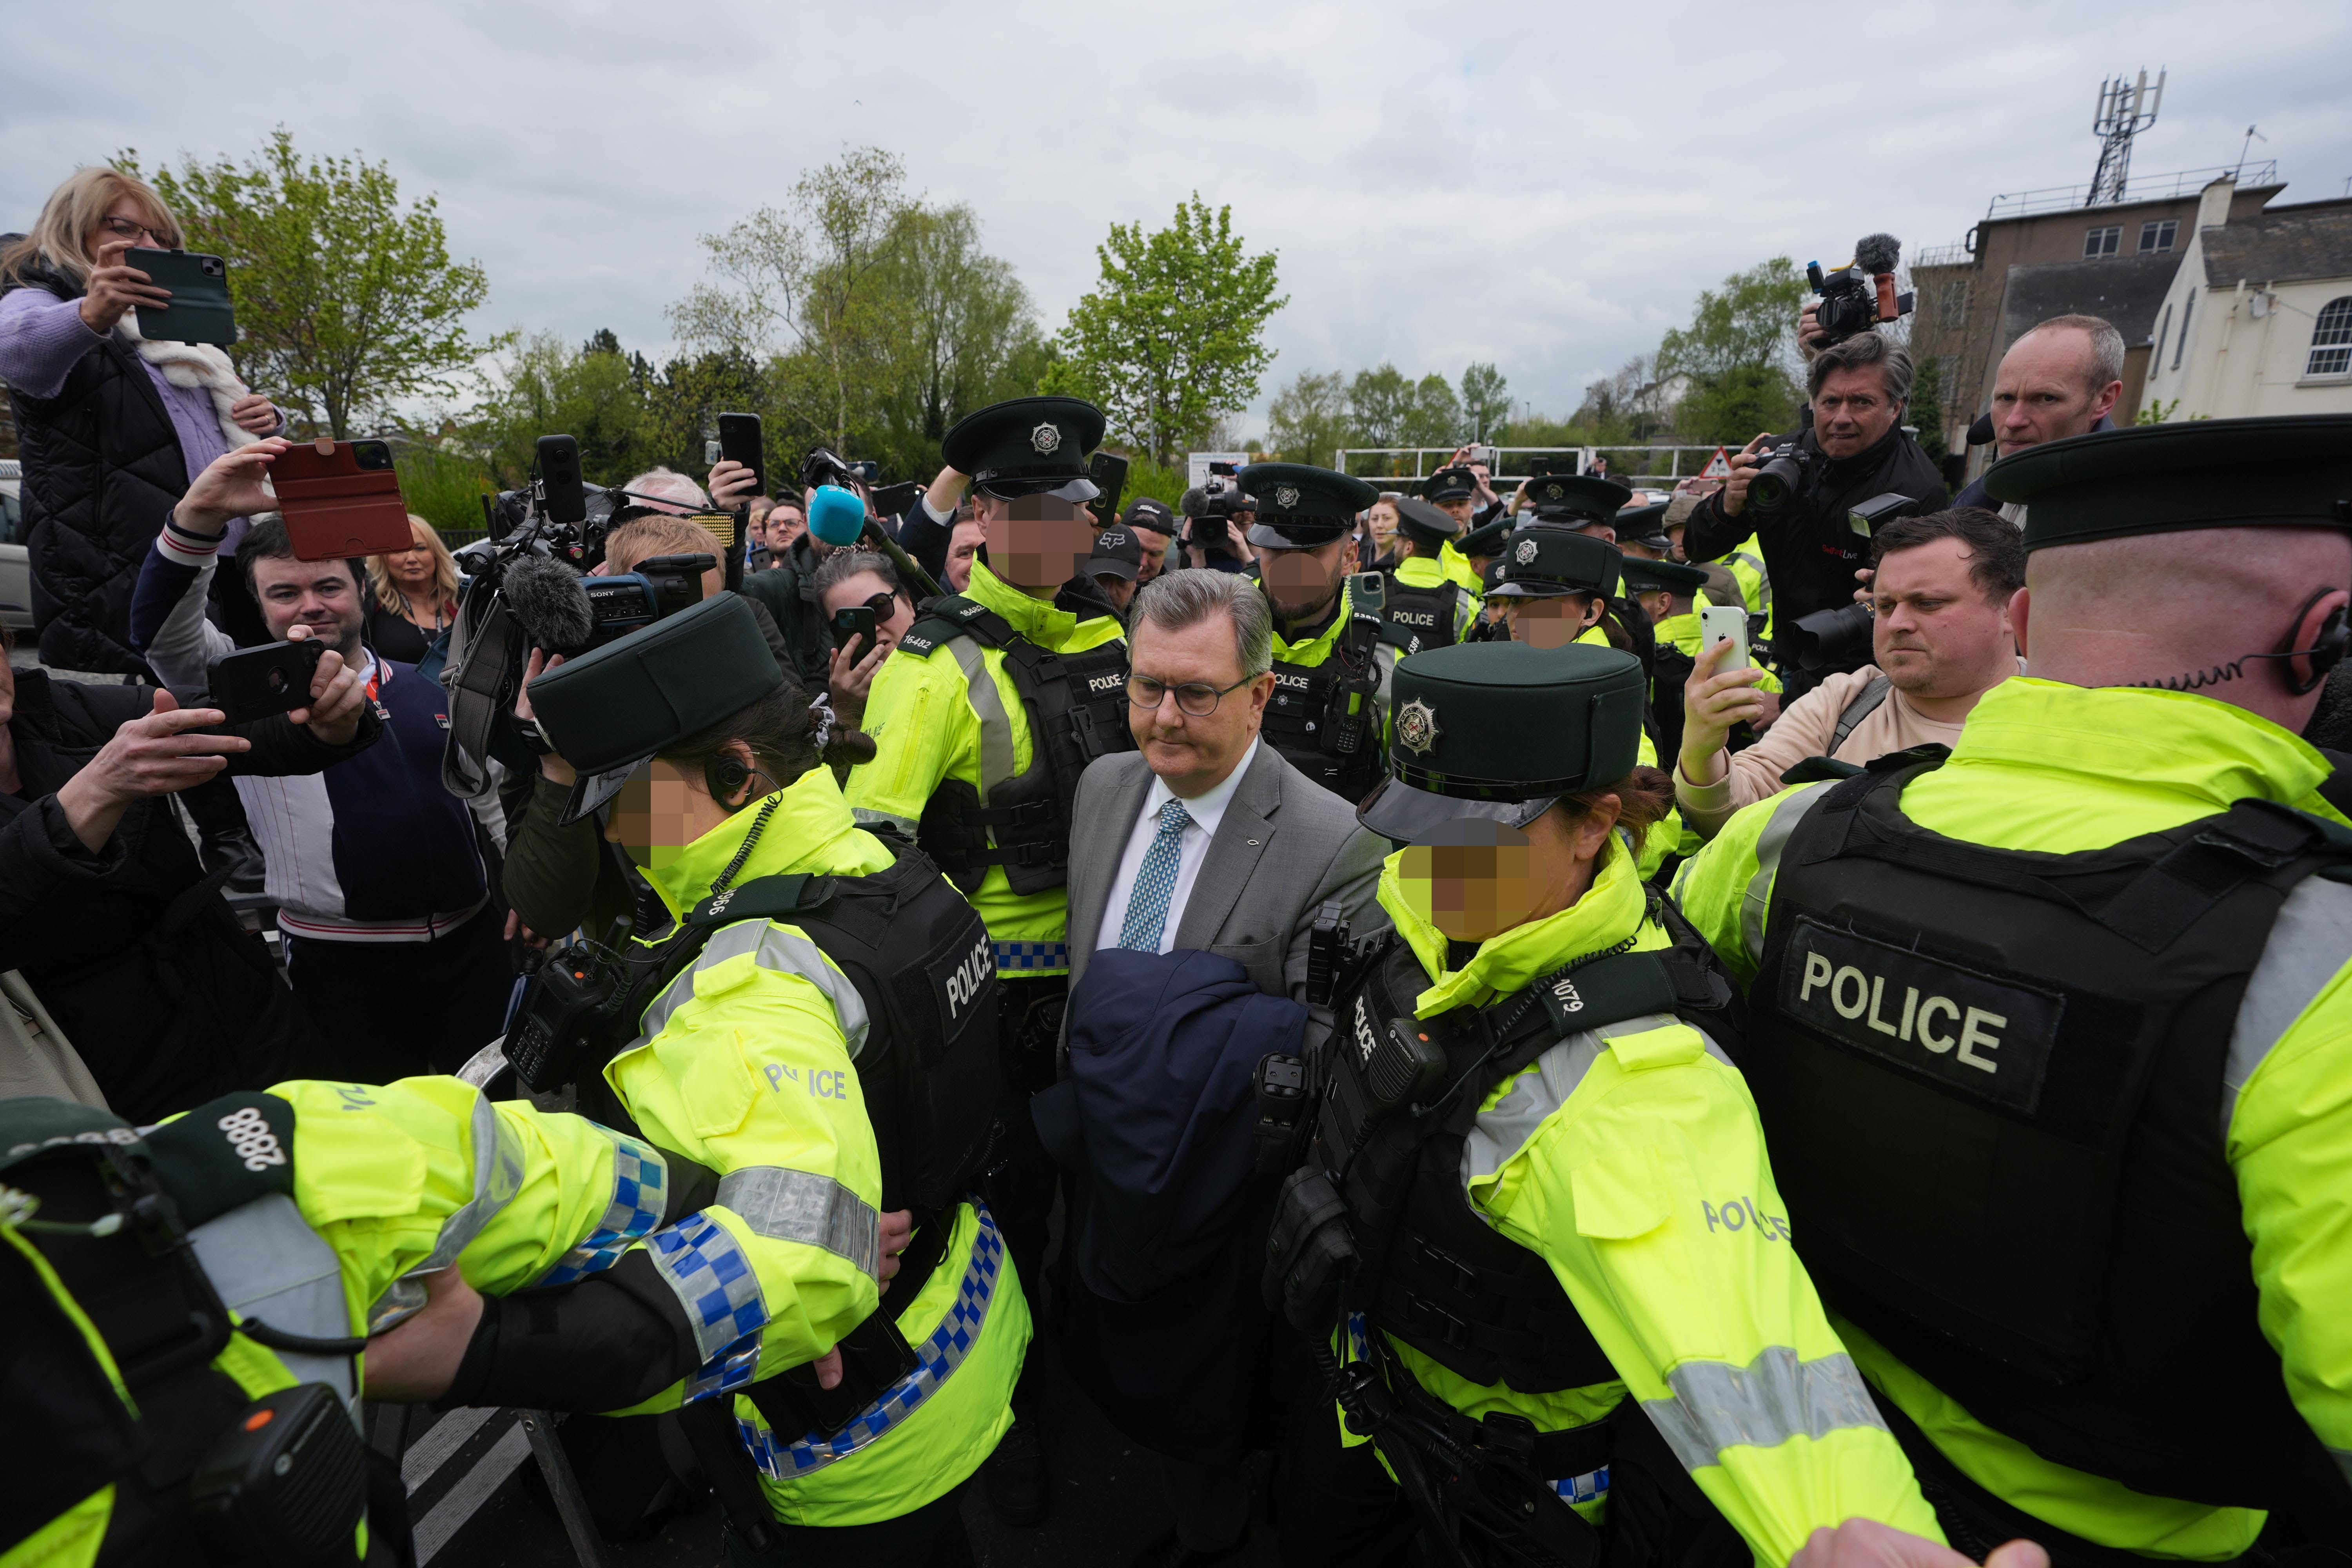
[786, 1205]
[1786, 815]
[865, 818]
[1502, 1128]
[2309, 945]
[497, 1178]
[267, 1263]
[1771, 1399]
[988, 707]
[1763, 580]
[771, 947]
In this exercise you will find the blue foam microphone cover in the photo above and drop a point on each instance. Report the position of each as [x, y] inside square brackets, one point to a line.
[835, 515]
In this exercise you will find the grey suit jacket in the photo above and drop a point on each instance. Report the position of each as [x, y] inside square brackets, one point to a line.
[1286, 845]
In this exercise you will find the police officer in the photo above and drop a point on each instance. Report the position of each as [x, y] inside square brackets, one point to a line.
[990, 707]
[1463, 493]
[1743, 561]
[817, 1029]
[1331, 658]
[1536, 1227]
[1427, 607]
[145, 1423]
[1588, 502]
[1557, 588]
[2047, 1033]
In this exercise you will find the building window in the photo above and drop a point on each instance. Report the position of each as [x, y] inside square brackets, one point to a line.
[2104, 241]
[2187, 308]
[2331, 340]
[2155, 238]
[2162, 332]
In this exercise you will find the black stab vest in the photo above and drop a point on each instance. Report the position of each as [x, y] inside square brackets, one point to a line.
[1325, 718]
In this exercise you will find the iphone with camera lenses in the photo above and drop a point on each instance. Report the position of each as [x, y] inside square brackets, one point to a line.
[255, 682]
[199, 311]
[740, 441]
[853, 628]
[340, 499]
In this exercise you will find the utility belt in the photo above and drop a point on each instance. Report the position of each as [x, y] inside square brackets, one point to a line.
[208, 1473]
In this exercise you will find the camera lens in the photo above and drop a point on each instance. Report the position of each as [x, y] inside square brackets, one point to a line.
[276, 682]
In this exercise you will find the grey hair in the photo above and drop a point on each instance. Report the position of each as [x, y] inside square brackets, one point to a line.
[2106, 366]
[667, 484]
[1190, 595]
[843, 564]
[1893, 360]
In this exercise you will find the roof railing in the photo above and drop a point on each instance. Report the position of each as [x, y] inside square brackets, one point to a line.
[2144, 188]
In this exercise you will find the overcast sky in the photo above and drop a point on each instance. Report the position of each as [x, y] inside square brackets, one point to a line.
[1541, 185]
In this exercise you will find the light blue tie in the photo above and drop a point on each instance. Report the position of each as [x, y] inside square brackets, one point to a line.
[1147, 906]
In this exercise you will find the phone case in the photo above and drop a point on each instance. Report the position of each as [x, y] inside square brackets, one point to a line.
[334, 507]
[199, 311]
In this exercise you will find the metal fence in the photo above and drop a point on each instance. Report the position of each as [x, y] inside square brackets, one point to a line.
[1649, 458]
[2146, 188]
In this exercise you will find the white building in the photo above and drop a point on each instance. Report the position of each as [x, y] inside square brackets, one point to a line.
[2259, 318]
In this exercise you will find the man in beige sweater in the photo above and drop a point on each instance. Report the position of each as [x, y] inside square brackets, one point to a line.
[1940, 589]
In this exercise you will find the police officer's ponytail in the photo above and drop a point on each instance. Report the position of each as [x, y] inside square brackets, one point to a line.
[1644, 796]
[787, 733]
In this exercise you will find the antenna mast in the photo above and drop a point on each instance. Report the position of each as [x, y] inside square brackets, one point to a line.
[2125, 109]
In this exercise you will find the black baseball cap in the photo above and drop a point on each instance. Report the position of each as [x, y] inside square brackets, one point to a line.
[1502, 730]
[617, 706]
[1545, 563]
[1116, 554]
[1029, 445]
[1300, 507]
[1145, 512]
[2291, 470]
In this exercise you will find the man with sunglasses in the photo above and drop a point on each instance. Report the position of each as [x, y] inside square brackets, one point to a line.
[1004, 695]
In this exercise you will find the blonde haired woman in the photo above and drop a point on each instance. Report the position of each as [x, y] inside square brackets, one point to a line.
[413, 595]
[113, 426]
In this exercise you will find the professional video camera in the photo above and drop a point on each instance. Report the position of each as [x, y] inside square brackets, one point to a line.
[1210, 507]
[1861, 294]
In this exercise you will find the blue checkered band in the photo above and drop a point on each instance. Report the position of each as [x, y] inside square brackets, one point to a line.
[714, 1282]
[938, 1355]
[1031, 955]
[1590, 1488]
[1359, 1347]
[724, 1376]
[640, 1183]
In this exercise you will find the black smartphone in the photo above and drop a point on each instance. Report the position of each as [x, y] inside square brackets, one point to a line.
[1109, 471]
[561, 497]
[199, 311]
[740, 441]
[255, 682]
[853, 628]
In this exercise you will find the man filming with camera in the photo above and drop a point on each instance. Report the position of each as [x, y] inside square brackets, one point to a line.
[1796, 493]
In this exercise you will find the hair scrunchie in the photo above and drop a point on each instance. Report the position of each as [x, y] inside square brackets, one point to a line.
[821, 716]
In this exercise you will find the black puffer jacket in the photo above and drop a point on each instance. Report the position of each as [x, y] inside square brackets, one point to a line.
[102, 467]
[132, 950]
[788, 592]
[1810, 548]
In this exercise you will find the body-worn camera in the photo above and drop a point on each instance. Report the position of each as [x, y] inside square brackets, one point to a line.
[1861, 294]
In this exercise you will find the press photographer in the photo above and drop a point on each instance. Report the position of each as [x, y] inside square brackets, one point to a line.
[1217, 518]
[1796, 493]
[380, 882]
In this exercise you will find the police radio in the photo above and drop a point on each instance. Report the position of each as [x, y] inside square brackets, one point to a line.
[572, 999]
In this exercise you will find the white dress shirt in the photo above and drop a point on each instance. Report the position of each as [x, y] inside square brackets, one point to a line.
[1191, 847]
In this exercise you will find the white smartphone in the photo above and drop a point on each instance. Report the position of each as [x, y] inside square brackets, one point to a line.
[1719, 623]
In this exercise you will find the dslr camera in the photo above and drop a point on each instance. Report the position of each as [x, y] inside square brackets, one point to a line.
[1209, 507]
[1786, 472]
[1861, 294]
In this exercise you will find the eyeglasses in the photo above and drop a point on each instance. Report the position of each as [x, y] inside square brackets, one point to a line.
[1195, 696]
[123, 227]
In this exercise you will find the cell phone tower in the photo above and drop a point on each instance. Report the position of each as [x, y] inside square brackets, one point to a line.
[2125, 109]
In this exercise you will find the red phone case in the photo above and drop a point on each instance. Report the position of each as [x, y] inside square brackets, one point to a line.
[334, 507]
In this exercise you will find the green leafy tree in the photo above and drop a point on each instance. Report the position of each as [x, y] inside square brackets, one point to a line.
[1925, 409]
[1174, 331]
[348, 302]
[1379, 404]
[1738, 356]
[595, 394]
[1434, 418]
[965, 336]
[1486, 400]
[1307, 420]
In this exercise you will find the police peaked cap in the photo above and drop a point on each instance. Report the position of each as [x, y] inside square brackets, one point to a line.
[1660, 576]
[1487, 539]
[616, 706]
[2291, 470]
[1543, 563]
[1501, 730]
[1300, 506]
[1423, 523]
[1645, 525]
[1027, 447]
[1578, 495]
[1453, 483]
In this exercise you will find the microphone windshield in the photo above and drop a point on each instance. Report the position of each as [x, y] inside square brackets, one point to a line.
[1877, 253]
[550, 605]
[835, 515]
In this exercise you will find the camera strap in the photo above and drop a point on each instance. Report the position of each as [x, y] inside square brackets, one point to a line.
[478, 676]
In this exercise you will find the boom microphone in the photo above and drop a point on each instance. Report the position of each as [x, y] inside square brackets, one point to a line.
[1877, 253]
[548, 602]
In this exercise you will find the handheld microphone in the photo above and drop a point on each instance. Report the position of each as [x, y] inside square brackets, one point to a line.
[835, 515]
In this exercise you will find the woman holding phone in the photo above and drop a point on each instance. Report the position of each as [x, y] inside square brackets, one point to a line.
[113, 424]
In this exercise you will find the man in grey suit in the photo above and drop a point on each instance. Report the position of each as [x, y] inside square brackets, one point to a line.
[1206, 838]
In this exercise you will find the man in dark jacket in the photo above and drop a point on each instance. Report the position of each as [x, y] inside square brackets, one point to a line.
[104, 906]
[1853, 448]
